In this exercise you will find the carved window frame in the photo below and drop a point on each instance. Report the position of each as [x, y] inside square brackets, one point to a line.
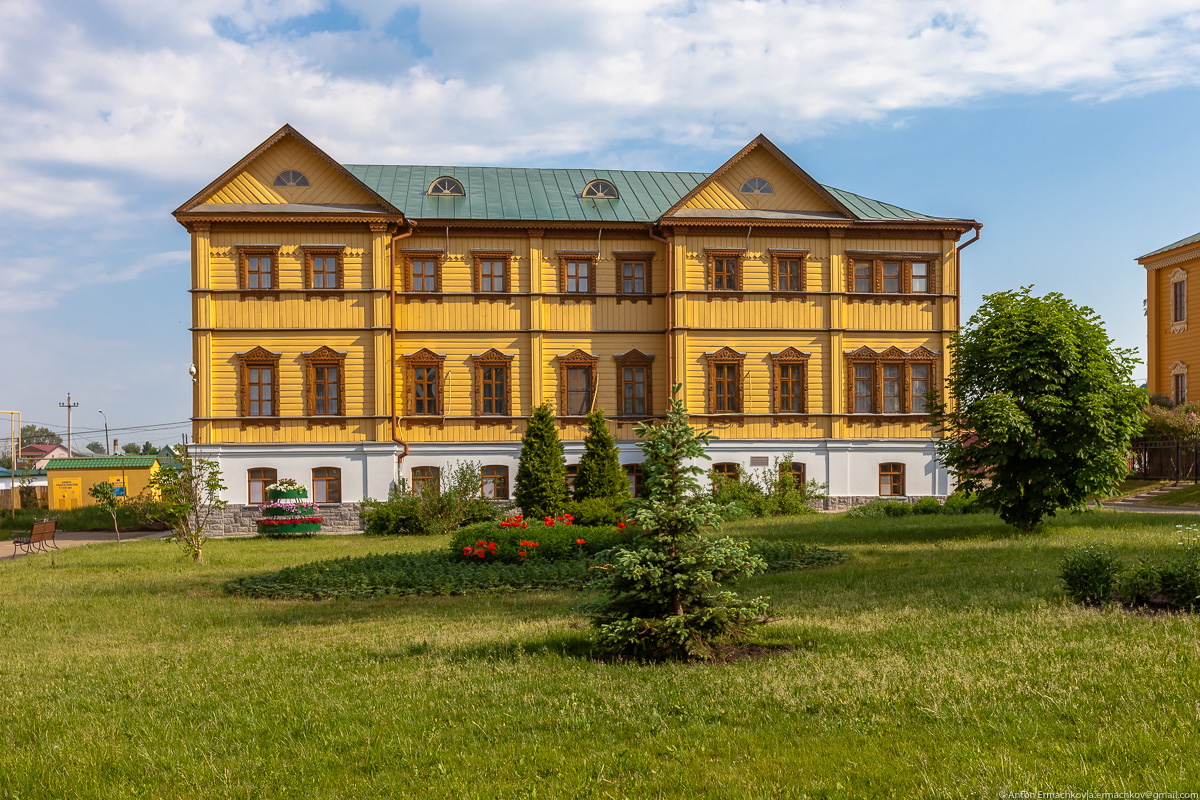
[565, 256]
[576, 359]
[788, 357]
[634, 359]
[906, 260]
[323, 356]
[711, 255]
[436, 256]
[479, 256]
[789, 255]
[245, 252]
[493, 359]
[258, 358]
[1179, 370]
[627, 256]
[1178, 310]
[879, 359]
[425, 358]
[726, 356]
[339, 254]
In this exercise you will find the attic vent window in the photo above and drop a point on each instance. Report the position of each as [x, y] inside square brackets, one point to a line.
[445, 187]
[757, 186]
[600, 190]
[290, 177]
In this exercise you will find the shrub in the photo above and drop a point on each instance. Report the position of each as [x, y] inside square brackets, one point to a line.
[738, 498]
[440, 510]
[396, 516]
[767, 492]
[927, 505]
[600, 472]
[542, 470]
[962, 502]
[1179, 580]
[1138, 584]
[554, 543]
[595, 511]
[1090, 573]
[881, 508]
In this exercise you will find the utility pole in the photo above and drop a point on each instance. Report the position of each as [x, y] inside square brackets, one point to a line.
[68, 406]
[107, 452]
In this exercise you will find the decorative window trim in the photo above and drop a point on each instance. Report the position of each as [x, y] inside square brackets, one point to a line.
[493, 359]
[425, 358]
[876, 259]
[244, 253]
[338, 252]
[292, 179]
[877, 359]
[757, 185]
[634, 358]
[622, 256]
[1179, 369]
[600, 189]
[336, 477]
[711, 255]
[789, 255]
[323, 356]
[479, 256]
[258, 358]
[438, 256]
[789, 357]
[576, 358]
[1178, 325]
[724, 357]
[451, 188]
[578, 255]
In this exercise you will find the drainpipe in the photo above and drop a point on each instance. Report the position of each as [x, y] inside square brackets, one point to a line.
[958, 274]
[670, 304]
[412, 227]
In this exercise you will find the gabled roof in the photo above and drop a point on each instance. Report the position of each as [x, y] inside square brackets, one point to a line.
[1193, 239]
[284, 132]
[103, 462]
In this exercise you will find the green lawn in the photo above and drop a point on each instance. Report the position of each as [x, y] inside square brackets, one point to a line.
[1189, 495]
[939, 660]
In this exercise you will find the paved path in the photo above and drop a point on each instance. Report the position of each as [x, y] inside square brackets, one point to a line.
[76, 538]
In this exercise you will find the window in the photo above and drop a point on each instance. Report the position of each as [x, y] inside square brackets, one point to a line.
[725, 381]
[727, 470]
[1178, 300]
[259, 479]
[445, 187]
[919, 380]
[891, 388]
[491, 272]
[258, 268]
[326, 379]
[1179, 392]
[791, 372]
[323, 267]
[577, 276]
[425, 377]
[634, 473]
[492, 379]
[572, 471]
[260, 377]
[796, 470]
[890, 382]
[788, 268]
[291, 177]
[891, 480]
[576, 273]
[327, 485]
[600, 190]
[633, 373]
[577, 383]
[495, 482]
[891, 273]
[633, 272]
[426, 479]
[757, 186]
[424, 275]
[862, 388]
[724, 270]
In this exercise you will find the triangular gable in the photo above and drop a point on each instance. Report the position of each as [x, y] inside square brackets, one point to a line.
[725, 354]
[251, 180]
[259, 353]
[790, 354]
[578, 357]
[793, 189]
[325, 353]
[491, 356]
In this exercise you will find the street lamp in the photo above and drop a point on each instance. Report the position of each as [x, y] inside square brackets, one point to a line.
[107, 452]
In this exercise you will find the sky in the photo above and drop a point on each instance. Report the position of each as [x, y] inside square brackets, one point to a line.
[1067, 128]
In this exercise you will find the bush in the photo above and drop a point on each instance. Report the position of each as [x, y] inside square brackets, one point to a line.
[768, 492]
[600, 472]
[396, 516]
[962, 503]
[1090, 573]
[439, 510]
[738, 498]
[595, 511]
[1139, 584]
[1179, 580]
[541, 486]
[875, 509]
[927, 505]
[554, 543]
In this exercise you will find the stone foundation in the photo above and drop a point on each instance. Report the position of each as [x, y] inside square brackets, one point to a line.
[240, 520]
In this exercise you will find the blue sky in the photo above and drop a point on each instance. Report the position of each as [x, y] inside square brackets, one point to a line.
[1067, 128]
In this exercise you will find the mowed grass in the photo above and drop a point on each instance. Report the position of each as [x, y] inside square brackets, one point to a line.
[939, 660]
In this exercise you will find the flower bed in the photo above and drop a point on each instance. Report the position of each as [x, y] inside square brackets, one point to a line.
[287, 512]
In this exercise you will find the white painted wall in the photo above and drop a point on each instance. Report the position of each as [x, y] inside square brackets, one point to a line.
[368, 468]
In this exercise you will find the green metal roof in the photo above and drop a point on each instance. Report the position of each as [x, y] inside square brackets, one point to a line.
[554, 195]
[1189, 240]
[113, 462]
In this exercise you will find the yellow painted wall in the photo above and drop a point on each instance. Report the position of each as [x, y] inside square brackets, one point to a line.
[68, 487]
[255, 184]
[791, 192]
[1171, 347]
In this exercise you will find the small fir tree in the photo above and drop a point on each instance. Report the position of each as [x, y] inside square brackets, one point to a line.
[541, 485]
[600, 472]
[663, 597]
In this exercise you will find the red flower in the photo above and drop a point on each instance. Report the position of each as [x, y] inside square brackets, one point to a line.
[579, 541]
[621, 525]
[524, 524]
[481, 553]
[466, 551]
[492, 547]
[521, 553]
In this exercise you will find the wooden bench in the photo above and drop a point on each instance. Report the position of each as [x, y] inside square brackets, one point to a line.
[38, 538]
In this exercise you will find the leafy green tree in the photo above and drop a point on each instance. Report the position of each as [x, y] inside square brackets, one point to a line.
[1041, 407]
[32, 434]
[131, 448]
[149, 449]
[662, 597]
[96, 447]
[600, 472]
[105, 495]
[188, 495]
[541, 485]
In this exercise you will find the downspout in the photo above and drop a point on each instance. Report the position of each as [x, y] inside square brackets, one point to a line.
[958, 274]
[412, 227]
[670, 304]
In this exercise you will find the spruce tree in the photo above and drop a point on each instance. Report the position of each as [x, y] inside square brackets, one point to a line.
[541, 486]
[600, 472]
[662, 596]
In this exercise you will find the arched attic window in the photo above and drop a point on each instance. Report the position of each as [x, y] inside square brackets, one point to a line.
[757, 186]
[600, 190]
[445, 187]
[291, 177]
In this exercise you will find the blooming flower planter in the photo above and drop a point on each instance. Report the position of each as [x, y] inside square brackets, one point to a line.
[288, 512]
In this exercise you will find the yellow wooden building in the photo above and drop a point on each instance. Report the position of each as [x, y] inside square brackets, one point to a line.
[69, 479]
[358, 325]
[1170, 346]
